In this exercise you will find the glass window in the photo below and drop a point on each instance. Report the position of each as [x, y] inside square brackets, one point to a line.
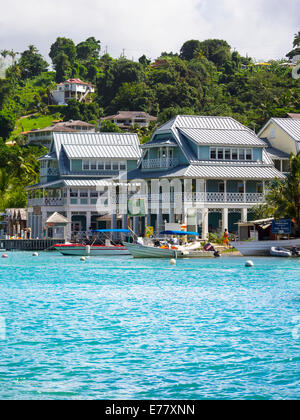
[93, 165]
[122, 166]
[93, 194]
[259, 188]
[220, 153]
[241, 154]
[108, 166]
[221, 187]
[86, 165]
[115, 166]
[100, 166]
[234, 154]
[248, 154]
[227, 154]
[240, 187]
[84, 193]
[285, 166]
[277, 164]
[213, 153]
[73, 193]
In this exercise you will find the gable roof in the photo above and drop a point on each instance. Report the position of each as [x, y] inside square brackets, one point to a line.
[57, 218]
[231, 137]
[290, 125]
[94, 145]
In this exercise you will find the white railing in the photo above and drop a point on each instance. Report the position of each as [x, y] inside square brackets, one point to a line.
[49, 172]
[159, 163]
[47, 201]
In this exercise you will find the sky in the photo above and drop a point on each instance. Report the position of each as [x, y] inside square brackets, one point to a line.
[263, 29]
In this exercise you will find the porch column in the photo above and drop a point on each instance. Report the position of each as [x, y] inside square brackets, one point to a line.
[245, 191]
[224, 219]
[69, 226]
[204, 224]
[88, 220]
[124, 221]
[225, 191]
[136, 225]
[244, 215]
[113, 225]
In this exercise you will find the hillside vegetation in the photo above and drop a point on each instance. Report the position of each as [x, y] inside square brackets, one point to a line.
[204, 77]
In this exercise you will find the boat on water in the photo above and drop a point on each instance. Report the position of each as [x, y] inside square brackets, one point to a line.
[280, 252]
[93, 249]
[257, 237]
[262, 248]
[165, 250]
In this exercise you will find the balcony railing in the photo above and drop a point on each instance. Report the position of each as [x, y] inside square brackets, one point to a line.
[159, 163]
[49, 172]
[47, 201]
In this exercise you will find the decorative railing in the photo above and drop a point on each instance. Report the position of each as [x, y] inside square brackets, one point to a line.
[159, 163]
[46, 201]
[49, 172]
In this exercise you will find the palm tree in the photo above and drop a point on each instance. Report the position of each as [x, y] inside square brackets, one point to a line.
[297, 40]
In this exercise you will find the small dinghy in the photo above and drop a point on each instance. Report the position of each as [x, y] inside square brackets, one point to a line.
[277, 251]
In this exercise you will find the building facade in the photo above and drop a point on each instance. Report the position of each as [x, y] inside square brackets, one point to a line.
[75, 177]
[72, 89]
[43, 137]
[127, 119]
[204, 172]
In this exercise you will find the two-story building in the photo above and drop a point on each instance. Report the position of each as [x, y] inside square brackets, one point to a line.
[43, 137]
[72, 89]
[204, 172]
[127, 119]
[75, 177]
[282, 137]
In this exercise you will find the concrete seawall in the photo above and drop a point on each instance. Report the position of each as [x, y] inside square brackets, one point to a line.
[28, 244]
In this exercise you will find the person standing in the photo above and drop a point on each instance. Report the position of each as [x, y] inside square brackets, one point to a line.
[226, 238]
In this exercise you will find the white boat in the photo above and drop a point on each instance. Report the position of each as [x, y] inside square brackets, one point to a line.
[92, 250]
[145, 251]
[280, 252]
[139, 250]
[109, 249]
[262, 248]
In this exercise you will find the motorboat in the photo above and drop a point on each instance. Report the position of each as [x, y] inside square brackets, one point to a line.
[93, 249]
[262, 248]
[280, 252]
[167, 250]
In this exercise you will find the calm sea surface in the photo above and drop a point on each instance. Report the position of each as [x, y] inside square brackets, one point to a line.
[118, 328]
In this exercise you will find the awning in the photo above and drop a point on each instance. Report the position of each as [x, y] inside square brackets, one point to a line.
[178, 233]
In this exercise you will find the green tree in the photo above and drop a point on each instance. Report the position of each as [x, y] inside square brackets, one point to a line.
[89, 49]
[63, 56]
[7, 124]
[31, 63]
[108, 126]
[189, 49]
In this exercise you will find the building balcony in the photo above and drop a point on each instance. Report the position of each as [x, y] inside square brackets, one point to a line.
[49, 172]
[163, 163]
[46, 201]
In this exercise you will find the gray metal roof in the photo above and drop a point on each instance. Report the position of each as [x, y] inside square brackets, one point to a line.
[230, 137]
[99, 145]
[212, 172]
[203, 122]
[289, 125]
[103, 151]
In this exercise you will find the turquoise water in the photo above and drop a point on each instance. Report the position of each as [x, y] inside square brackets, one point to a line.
[118, 328]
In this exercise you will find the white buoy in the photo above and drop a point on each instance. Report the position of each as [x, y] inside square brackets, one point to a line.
[172, 261]
[82, 259]
[35, 254]
[249, 264]
[4, 256]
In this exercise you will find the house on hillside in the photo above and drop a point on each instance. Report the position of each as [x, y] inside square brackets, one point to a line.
[203, 172]
[44, 136]
[127, 119]
[282, 136]
[74, 180]
[72, 89]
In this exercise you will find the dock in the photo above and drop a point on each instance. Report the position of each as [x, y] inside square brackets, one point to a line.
[29, 244]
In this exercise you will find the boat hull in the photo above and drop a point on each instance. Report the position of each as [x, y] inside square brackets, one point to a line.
[141, 251]
[94, 251]
[262, 248]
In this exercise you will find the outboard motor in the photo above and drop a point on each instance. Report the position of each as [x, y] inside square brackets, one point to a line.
[217, 254]
[295, 252]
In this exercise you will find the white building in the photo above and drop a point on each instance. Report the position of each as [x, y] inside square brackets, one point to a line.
[72, 89]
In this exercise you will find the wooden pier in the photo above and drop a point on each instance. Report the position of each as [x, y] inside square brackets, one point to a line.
[29, 244]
